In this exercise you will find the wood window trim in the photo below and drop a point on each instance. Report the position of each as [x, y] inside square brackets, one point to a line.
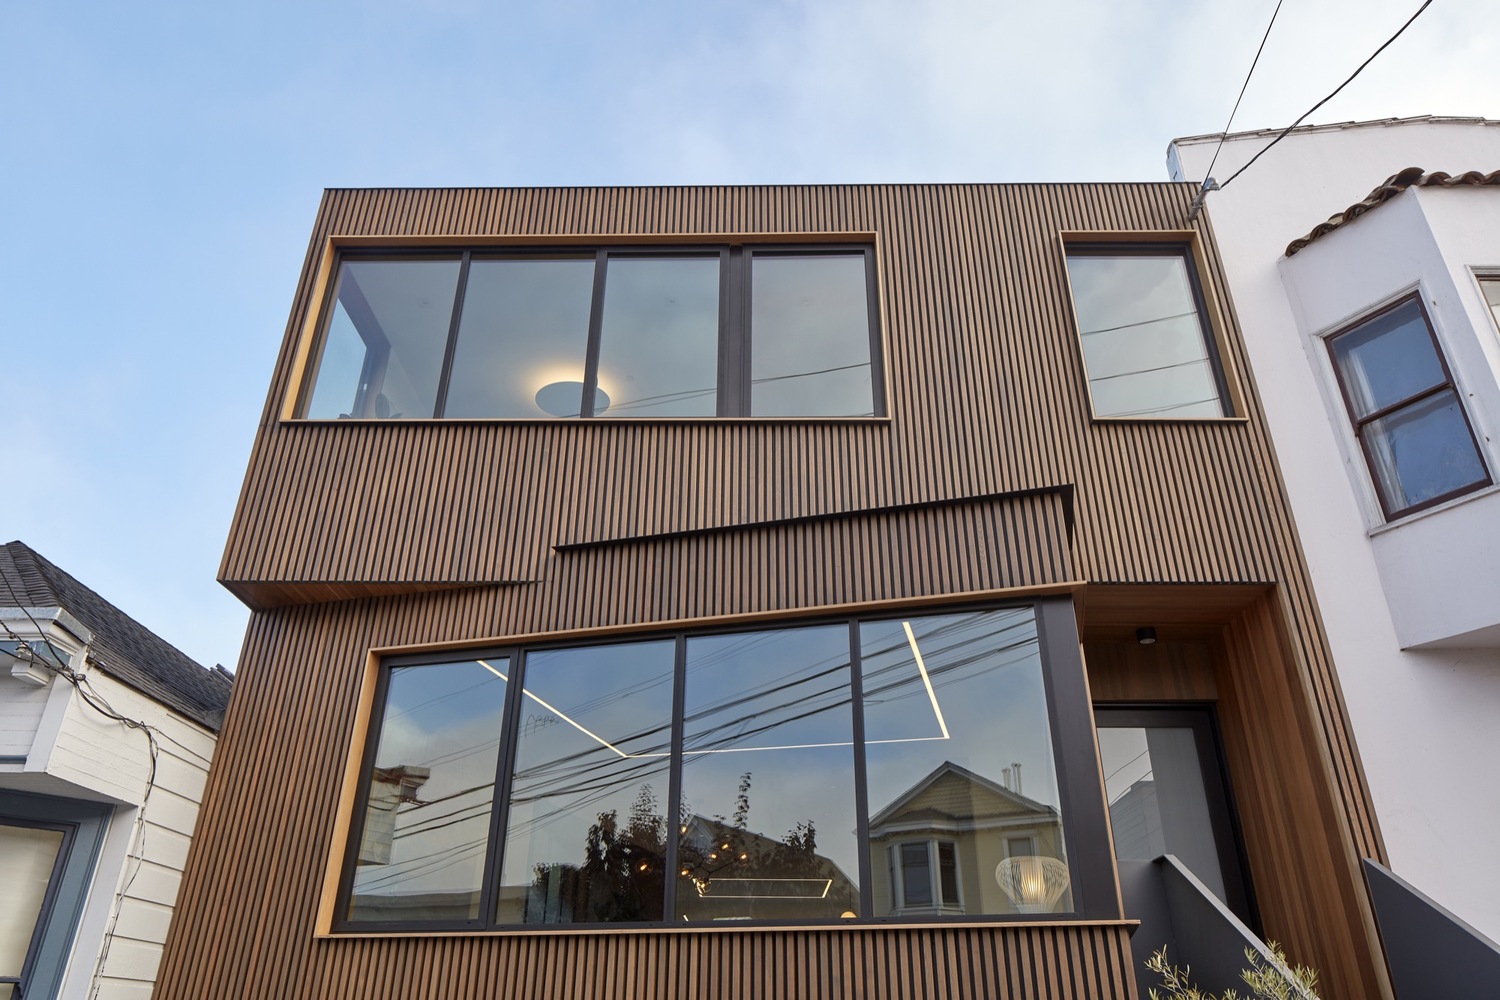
[1205, 292]
[1358, 424]
[316, 309]
[1095, 889]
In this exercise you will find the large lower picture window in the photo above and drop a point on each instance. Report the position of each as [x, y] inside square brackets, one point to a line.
[772, 331]
[1146, 338]
[847, 770]
[1406, 410]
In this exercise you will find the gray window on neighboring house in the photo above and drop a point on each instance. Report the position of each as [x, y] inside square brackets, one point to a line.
[47, 852]
[1406, 410]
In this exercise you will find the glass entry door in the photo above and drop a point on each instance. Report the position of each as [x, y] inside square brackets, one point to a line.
[1165, 783]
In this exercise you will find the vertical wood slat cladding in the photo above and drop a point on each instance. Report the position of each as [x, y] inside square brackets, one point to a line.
[987, 395]
[986, 387]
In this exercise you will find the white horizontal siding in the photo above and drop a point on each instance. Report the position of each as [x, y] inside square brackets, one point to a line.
[21, 707]
[114, 760]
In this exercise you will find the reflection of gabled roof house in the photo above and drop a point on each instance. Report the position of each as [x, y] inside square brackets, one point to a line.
[95, 816]
[981, 819]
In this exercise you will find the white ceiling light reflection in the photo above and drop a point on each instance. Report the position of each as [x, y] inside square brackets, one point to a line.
[562, 399]
[564, 716]
[911, 639]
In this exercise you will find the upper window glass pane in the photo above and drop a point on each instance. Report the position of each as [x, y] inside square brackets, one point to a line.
[28, 857]
[1491, 287]
[959, 748]
[522, 338]
[427, 821]
[383, 351]
[1144, 342]
[586, 837]
[659, 346]
[768, 814]
[1387, 360]
[538, 333]
[1406, 411]
[810, 336]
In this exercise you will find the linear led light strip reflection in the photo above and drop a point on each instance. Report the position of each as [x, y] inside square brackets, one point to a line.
[916, 653]
[564, 716]
[702, 884]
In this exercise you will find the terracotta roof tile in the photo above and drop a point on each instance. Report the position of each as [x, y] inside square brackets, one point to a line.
[1392, 186]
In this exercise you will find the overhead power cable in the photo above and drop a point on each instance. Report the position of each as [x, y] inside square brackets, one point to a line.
[1299, 121]
[1225, 134]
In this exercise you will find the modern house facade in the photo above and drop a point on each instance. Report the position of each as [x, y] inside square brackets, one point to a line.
[95, 814]
[757, 592]
[1364, 261]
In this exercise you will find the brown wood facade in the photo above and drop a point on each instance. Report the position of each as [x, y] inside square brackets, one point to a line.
[988, 477]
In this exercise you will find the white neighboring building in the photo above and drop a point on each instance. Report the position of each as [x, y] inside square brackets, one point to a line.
[1391, 461]
[89, 865]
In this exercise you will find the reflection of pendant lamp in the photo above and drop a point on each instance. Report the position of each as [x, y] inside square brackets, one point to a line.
[1033, 883]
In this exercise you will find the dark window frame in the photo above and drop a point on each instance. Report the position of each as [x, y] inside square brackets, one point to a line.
[735, 337]
[1207, 327]
[1359, 424]
[1070, 721]
[49, 898]
[69, 888]
[938, 901]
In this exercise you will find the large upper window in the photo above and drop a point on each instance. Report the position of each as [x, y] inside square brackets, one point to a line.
[1146, 338]
[603, 332]
[1406, 410]
[856, 769]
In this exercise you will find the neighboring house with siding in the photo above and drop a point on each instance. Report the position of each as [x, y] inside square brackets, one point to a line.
[1364, 260]
[94, 833]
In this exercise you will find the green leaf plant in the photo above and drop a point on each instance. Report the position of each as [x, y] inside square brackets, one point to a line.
[1266, 980]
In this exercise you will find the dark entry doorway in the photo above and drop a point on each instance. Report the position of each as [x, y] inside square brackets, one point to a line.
[1168, 793]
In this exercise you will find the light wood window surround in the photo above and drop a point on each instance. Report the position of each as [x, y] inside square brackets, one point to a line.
[1200, 328]
[643, 328]
[874, 643]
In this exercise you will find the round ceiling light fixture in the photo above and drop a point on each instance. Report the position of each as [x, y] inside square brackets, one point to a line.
[562, 399]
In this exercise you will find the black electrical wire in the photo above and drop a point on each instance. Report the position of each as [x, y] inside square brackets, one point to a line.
[1225, 134]
[1299, 121]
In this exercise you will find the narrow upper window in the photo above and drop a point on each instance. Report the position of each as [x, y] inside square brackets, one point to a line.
[1491, 286]
[1146, 338]
[728, 331]
[1406, 412]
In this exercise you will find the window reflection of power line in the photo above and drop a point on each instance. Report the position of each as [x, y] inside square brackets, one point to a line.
[1143, 371]
[685, 394]
[1174, 406]
[574, 782]
[1143, 322]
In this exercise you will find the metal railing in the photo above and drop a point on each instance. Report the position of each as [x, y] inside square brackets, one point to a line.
[1431, 953]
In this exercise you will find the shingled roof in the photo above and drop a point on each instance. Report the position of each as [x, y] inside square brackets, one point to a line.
[122, 647]
[1392, 186]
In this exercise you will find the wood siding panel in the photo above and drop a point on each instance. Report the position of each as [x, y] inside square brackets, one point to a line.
[350, 535]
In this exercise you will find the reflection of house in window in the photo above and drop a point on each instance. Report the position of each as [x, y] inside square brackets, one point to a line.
[1135, 818]
[952, 828]
[391, 787]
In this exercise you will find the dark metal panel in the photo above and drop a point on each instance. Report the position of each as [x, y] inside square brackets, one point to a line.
[1432, 954]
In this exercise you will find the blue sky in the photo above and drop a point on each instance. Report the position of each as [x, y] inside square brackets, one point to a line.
[160, 165]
